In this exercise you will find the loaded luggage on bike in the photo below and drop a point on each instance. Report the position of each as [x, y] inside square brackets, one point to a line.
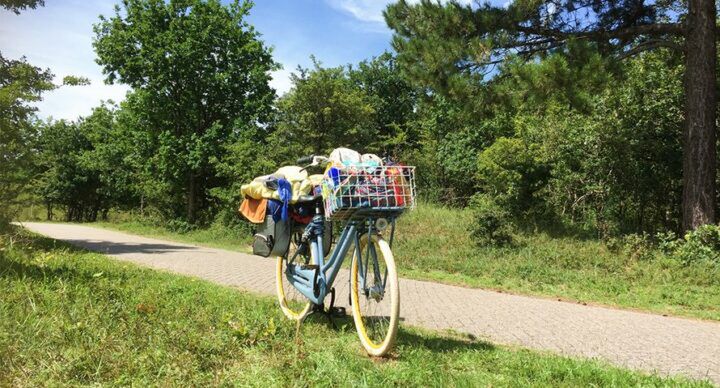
[295, 212]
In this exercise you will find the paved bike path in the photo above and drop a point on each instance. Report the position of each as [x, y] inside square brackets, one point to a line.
[648, 342]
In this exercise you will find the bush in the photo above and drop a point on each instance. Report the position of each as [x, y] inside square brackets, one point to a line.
[492, 224]
[702, 244]
[511, 172]
[634, 246]
[180, 226]
[668, 242]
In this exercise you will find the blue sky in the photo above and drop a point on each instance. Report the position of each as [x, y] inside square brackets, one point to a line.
[59, 36]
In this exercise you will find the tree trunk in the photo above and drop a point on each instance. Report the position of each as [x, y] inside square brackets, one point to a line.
[191, 197]
[699, 153]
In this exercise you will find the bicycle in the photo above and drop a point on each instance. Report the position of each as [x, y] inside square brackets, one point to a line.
[367, 199]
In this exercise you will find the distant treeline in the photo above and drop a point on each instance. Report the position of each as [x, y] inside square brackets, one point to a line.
[574, 140]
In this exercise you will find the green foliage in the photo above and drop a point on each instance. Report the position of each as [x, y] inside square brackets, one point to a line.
[634, 246]
[604, 135]
[510, 171]
[21, 84]
[324, 110]
[602, 163]
[446, 153]
[197, 67]
[564, 138]
[256, 151]
[702, 244]
[492, 225]
[71, 80]
[618, 169]
[81, 167]
[452, 47]
[393, 101]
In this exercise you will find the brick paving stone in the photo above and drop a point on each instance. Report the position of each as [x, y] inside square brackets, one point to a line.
[643, 341]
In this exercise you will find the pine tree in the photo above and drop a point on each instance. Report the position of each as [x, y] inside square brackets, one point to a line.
[453, 47]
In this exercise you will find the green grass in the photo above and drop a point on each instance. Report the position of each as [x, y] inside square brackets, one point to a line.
[432, 243]
[71, 317]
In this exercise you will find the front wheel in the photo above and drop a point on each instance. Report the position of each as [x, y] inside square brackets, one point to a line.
[375, 295]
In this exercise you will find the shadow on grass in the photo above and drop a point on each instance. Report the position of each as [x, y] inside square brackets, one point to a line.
[24, 239]
[12, 269]
[442, 342]
[32, 241]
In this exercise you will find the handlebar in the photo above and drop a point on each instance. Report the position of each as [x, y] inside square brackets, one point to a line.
[305, 160]
[312, 161]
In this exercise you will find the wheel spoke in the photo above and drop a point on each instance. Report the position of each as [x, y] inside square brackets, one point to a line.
[292, 302]
[375, 306]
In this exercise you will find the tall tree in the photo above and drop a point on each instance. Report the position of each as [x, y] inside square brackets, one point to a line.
[393, 100]
[453, 47]
[68, 173]
[20, 85]
[324, 110]
[196, 67]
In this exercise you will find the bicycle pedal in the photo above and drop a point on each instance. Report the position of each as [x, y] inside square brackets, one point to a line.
[309, 266]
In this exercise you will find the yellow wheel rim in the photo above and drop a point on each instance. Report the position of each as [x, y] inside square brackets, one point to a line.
[362, 330]
[290, 312]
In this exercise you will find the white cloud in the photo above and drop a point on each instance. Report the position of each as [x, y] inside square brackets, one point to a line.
[363, 10]
[281, 80]
[71, 102]
[370, 11]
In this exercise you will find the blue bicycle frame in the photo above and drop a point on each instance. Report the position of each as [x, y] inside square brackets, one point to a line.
[315, 281]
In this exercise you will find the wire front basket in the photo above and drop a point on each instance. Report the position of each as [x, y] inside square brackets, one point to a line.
[357, 192]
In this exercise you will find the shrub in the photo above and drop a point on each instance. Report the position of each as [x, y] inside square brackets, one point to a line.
[702, 244]
[510, 171]
[668, 242]
[635, 246]
[491, 224]
[180, 226]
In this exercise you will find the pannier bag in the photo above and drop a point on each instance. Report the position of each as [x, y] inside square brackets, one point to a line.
[272, 237]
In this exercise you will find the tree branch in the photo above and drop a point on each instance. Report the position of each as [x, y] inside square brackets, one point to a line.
[650, 45]
[656, 29]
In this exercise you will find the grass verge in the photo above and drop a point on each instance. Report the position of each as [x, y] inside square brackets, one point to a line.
[78, 318]
[433, 244]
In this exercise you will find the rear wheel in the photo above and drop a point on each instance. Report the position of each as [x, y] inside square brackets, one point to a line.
[292, 303]
[376, 301]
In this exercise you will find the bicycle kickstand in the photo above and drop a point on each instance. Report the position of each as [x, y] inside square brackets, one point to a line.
[338, 312]
[330, 312]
